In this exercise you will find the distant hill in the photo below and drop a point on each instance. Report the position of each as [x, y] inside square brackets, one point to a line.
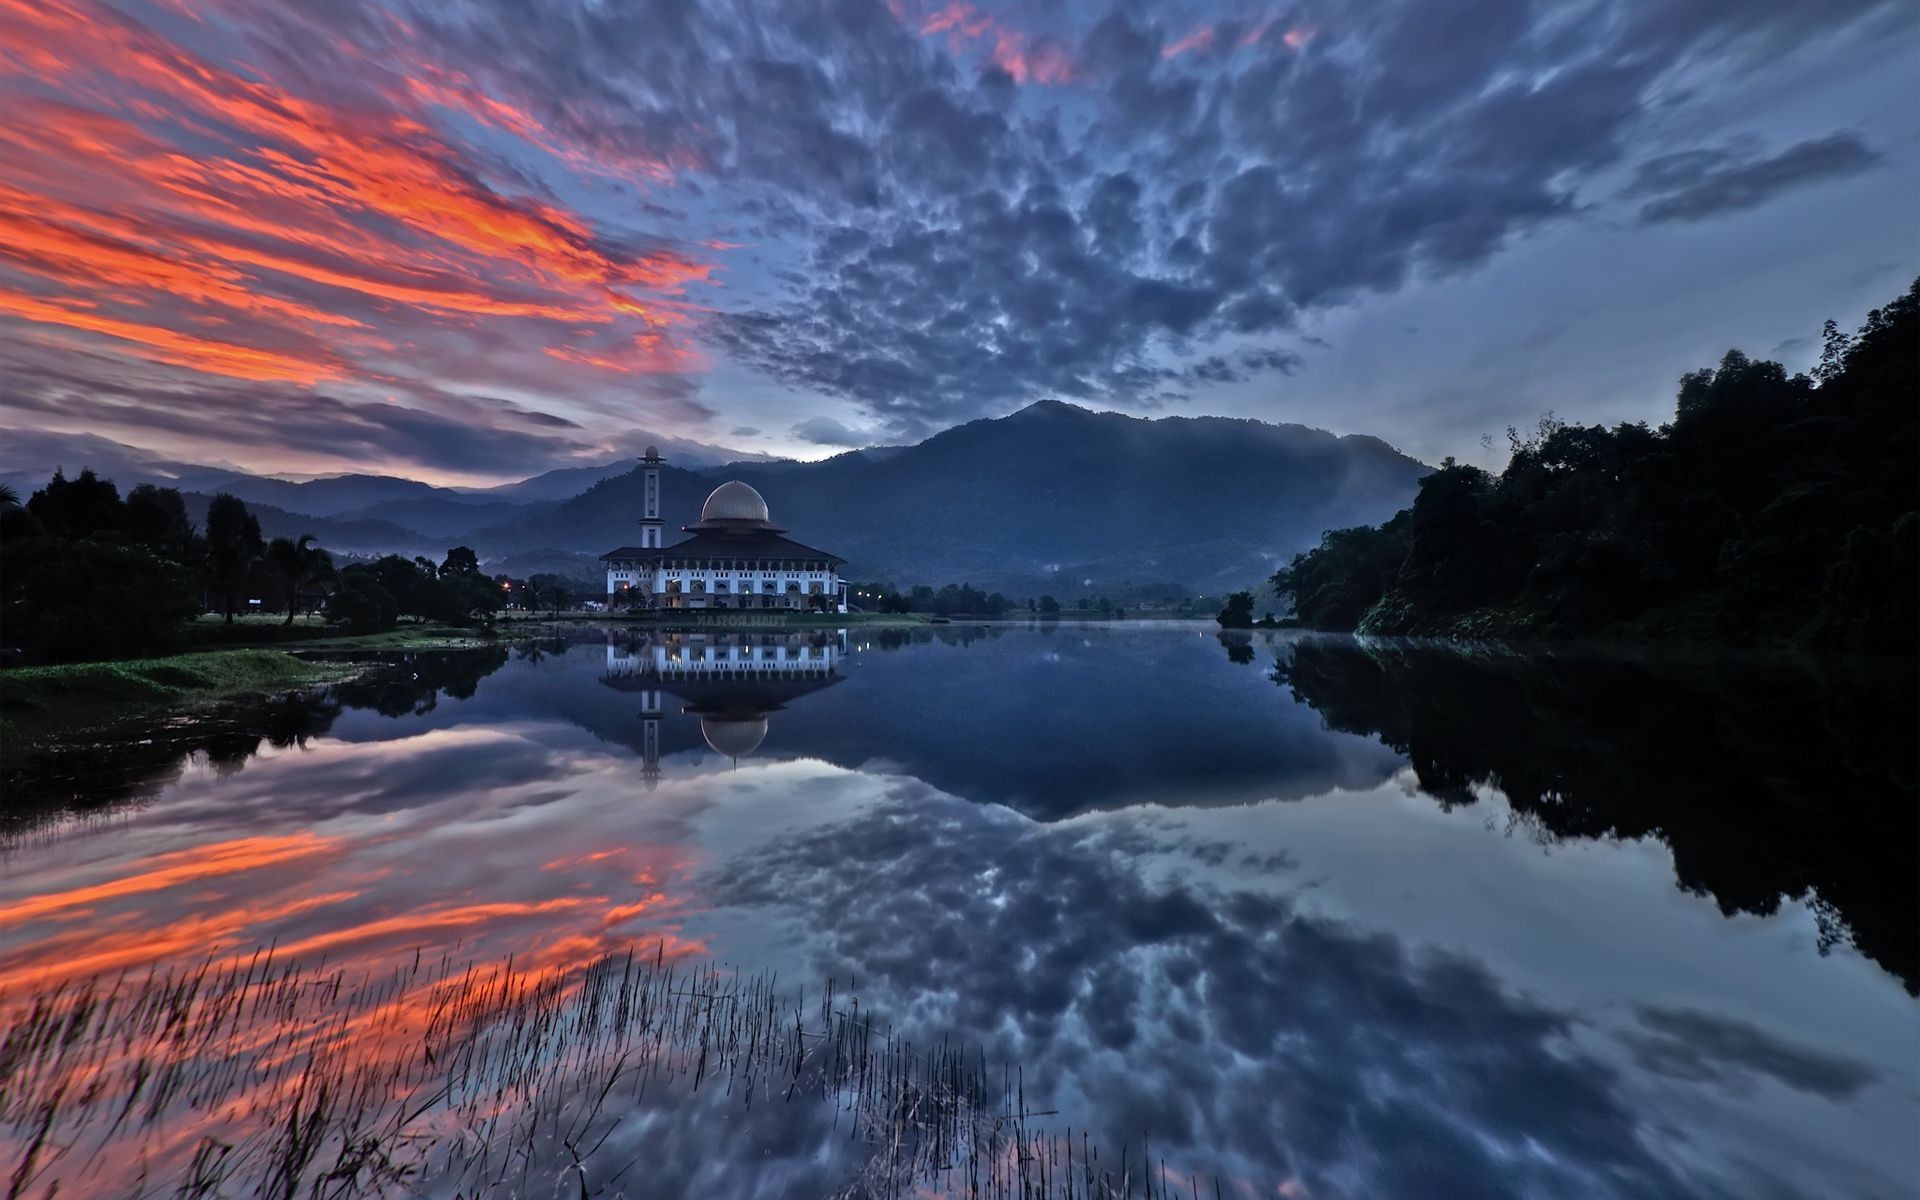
[566, 482]
[1046, 499]
[1052, 499]
[340, 536]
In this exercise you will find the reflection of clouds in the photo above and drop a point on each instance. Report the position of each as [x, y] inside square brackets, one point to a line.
[1234, 1030]
[1703, 1047]
[361, 851]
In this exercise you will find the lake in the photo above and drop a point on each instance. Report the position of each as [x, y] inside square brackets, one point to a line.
[938, 911]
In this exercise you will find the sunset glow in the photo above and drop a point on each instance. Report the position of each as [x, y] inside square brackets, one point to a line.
[468, 244]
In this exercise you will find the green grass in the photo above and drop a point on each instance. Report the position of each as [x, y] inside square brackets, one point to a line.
[56, 703]
[69, 697]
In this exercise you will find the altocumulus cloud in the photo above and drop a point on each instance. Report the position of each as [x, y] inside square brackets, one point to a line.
[488, 209]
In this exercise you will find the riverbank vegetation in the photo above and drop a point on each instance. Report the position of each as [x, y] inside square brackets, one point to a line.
[65, 700]
[249, 1075]
[89, 575]
[1771, 508]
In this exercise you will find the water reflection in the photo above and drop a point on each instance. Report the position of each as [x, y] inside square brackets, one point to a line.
[1769, 781]
[1284, 934]
[131, 765]
[732, 683]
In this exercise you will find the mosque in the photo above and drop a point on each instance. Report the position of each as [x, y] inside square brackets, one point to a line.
[735, 559]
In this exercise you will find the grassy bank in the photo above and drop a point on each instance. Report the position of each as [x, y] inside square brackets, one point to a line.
[55, 701]
[59, 701]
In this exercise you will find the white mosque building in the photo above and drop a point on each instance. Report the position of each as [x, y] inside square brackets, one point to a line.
[736, 558]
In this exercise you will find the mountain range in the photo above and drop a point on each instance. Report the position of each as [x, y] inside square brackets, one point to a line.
[1053, 498]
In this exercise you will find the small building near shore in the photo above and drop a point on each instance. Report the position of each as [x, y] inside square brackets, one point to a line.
[736, 558]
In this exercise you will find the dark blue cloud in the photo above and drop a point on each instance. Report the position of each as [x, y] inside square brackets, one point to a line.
[1693, 185]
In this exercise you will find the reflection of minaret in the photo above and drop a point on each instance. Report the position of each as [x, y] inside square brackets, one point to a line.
[650, 712]
[650, 527]
[731, 683]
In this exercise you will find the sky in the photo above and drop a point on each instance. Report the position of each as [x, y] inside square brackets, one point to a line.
[466, 241]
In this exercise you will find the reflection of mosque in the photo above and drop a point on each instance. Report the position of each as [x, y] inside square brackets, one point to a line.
[731, 682]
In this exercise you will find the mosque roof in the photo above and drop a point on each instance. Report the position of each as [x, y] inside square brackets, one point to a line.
[727, 544]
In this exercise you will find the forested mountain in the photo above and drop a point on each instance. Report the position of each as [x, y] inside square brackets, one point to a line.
[1049, 497]
[1053, 497]
[1772, 507]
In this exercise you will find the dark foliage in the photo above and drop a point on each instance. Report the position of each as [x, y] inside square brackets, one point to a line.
[1771, 507]
[233, 546]
[1768, 780]
[361, 604]
[88, 575]
[1238, 613]
[95, 597]
[296, 564]
[951, 600]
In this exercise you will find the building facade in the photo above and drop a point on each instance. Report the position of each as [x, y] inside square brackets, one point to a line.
[736, 558]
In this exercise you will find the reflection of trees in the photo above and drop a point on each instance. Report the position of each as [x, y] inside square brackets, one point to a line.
[1782, 779]
[136, 762]
[413, 685]
[1239, 647]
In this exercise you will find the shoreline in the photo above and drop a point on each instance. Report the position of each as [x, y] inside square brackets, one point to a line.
[61, 702]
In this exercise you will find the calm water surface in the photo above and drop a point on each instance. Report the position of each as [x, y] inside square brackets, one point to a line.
[1310, 917]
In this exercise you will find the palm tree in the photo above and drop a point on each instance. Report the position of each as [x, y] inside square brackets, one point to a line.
[8, 497]
[297, 564]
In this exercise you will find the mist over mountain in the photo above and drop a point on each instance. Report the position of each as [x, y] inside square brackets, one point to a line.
[341, 535]
[1053, 497]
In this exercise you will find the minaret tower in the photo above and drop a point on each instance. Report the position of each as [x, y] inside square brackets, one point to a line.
[650, 526]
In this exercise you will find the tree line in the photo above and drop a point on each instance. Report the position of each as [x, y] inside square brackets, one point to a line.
[86, 573]
[1771, 507]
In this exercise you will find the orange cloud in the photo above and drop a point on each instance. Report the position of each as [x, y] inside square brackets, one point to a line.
[1028, 59]
[192, 215]
[1200, 39]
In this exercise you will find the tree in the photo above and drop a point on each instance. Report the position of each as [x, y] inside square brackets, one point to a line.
[1834, 347]
[93, 598]
[1049, 607]
[78, 507]
[557, 590]
[1768, 510]
[157, 517]
[296, 564]
[460, 563]
[1238, 614]
[233, 545]
[361, 604]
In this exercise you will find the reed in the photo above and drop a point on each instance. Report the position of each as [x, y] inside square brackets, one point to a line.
[255, 1077]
